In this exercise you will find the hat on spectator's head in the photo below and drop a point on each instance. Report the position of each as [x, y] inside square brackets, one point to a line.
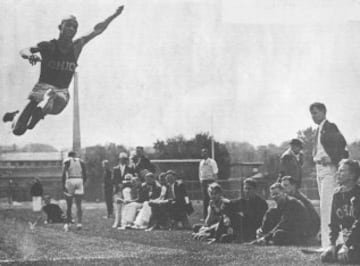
[215, 187]
[171, 172]
[128, 178]
[296, 142]
[123, 155]
[149, 174]
[47, 197]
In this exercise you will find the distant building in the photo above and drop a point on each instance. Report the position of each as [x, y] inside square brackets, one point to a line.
[23, 167]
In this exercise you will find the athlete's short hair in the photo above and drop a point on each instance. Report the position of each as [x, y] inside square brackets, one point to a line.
[319, 106]
[69, 18]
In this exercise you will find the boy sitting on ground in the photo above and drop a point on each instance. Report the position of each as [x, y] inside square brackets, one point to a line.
[220, 225]
[53, 212]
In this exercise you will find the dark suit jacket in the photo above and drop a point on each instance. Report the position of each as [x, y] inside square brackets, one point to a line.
[117, 177]
[143, 164]
[290, 166]
[148, 192]
[179, 191]
[333, 142]
[179, 207]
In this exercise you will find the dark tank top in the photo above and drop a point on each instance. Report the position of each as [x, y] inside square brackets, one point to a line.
[57, 68]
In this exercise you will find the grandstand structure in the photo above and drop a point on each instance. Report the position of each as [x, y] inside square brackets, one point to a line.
[23, 167]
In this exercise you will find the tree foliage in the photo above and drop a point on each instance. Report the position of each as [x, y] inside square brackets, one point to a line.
[180, 148]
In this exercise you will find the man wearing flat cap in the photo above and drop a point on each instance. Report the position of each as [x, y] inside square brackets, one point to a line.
[291, 162]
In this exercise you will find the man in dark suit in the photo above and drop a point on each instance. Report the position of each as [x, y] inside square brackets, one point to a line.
[179, 204]
[142, 163]
[291, 161]
[118, 175]
[329, 148]
[121, 170]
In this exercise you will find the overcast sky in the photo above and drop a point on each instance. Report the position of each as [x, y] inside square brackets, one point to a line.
[170, 67]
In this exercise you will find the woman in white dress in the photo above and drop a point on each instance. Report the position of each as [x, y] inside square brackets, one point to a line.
[129, 198]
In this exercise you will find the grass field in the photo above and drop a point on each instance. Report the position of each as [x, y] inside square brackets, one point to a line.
[98, 244]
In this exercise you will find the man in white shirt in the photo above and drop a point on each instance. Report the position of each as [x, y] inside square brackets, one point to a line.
[208, 171]
[329, 148]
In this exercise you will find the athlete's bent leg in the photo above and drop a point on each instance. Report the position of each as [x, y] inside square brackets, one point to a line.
[20, 125]
[59, 103]
[55, 103]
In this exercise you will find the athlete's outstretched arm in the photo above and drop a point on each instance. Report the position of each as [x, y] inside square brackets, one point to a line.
[29, 54]
[100, 27]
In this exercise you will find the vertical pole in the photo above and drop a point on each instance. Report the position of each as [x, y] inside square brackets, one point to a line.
[76, 118]
[212, 137]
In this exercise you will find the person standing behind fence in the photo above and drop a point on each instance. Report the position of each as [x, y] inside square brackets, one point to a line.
[36, 192]
[291, 162]
[208, 171]
[11, 192]
[142, 163]
[329, 148]
[108, 188]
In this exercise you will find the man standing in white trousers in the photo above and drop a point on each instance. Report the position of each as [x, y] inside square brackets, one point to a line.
[329, 148]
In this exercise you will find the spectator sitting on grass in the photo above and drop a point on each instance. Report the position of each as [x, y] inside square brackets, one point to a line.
[251, 209]
[159, 217]
[129, 204]
[345, 216]
[284, 224]
[149, 190]
[179, 204]
[53, 211]
[218, 226]
[313, 224]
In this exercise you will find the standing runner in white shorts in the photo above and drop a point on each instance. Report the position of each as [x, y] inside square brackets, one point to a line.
[58, 63]
[73, 179]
